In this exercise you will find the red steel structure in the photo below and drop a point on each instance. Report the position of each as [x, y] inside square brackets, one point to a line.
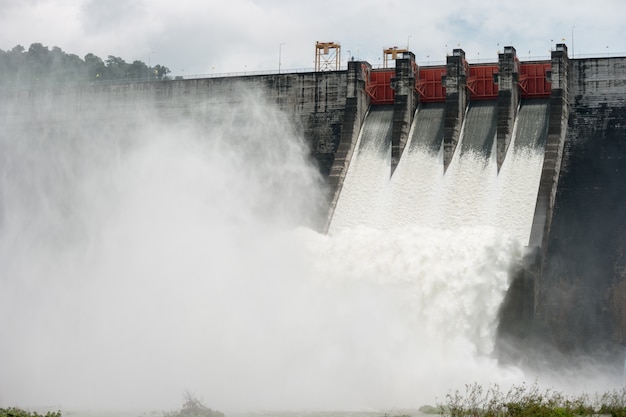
[481, 83]
[533, 79]
[533, 82]
[379, 86]
[429, 85]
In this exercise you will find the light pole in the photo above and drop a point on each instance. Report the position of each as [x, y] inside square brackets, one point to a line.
[573, 41]
[149, 56]
[280, 50]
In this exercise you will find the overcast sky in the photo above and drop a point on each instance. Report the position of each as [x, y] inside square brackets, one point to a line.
[210, 36]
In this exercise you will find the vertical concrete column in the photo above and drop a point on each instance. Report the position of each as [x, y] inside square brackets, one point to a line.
[357, 103]
[457, 98]
[555, 142]
[508, 100]
[405, 103]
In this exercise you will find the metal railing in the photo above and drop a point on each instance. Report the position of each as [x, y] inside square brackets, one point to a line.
[607, 54]
[421, 62]
[243, 73]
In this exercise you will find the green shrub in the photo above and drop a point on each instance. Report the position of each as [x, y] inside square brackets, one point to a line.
[528, 401]
[613, 403]
[193, 408]
[17, 412]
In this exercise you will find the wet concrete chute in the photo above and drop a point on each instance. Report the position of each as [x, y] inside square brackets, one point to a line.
[368, 175]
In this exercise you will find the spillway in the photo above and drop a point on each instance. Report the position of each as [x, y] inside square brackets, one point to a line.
[532, 124]
[470, 194]
[480, 128]
[428, 131]
[369, 171]
[520, 174]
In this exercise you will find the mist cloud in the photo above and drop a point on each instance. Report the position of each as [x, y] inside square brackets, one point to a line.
[144, 255]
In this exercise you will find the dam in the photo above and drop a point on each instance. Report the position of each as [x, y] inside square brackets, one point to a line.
[534, 149]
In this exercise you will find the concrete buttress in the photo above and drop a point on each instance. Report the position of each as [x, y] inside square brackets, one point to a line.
[508, 100]
[457, 98]
[405, 103]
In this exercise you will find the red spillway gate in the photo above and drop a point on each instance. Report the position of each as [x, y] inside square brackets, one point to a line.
[481, 83]
[533, 80]
[379, 86]
[429, 85]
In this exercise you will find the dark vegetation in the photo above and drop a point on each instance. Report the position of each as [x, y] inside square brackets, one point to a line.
[193, 408]
[530, 401]
[16, 412]
[519, 401]
[40, 65]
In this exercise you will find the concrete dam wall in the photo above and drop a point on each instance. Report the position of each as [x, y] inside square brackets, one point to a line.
[581, 286]
[314, 102]
[574, 292]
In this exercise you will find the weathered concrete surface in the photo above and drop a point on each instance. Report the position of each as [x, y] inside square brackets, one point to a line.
[581, 294]
[315, 103]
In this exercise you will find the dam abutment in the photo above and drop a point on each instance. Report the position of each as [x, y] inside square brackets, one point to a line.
[580, 293]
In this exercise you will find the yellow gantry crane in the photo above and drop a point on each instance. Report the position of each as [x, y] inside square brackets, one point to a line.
[327, 56]
[390, 54]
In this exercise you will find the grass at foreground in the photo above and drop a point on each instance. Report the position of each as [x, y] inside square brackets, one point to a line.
[519, 401]
[530, 401]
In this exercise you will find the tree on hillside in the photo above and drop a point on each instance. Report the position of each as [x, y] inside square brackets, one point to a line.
[40, 65]
[161, 71]
[94, 66]
[138, 70]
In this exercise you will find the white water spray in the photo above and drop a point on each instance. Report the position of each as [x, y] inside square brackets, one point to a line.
[152, 258]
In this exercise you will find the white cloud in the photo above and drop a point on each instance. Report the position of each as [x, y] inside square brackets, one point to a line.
[195, 37]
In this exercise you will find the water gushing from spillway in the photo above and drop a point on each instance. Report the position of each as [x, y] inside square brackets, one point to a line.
[471, 205]
[472, 193]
